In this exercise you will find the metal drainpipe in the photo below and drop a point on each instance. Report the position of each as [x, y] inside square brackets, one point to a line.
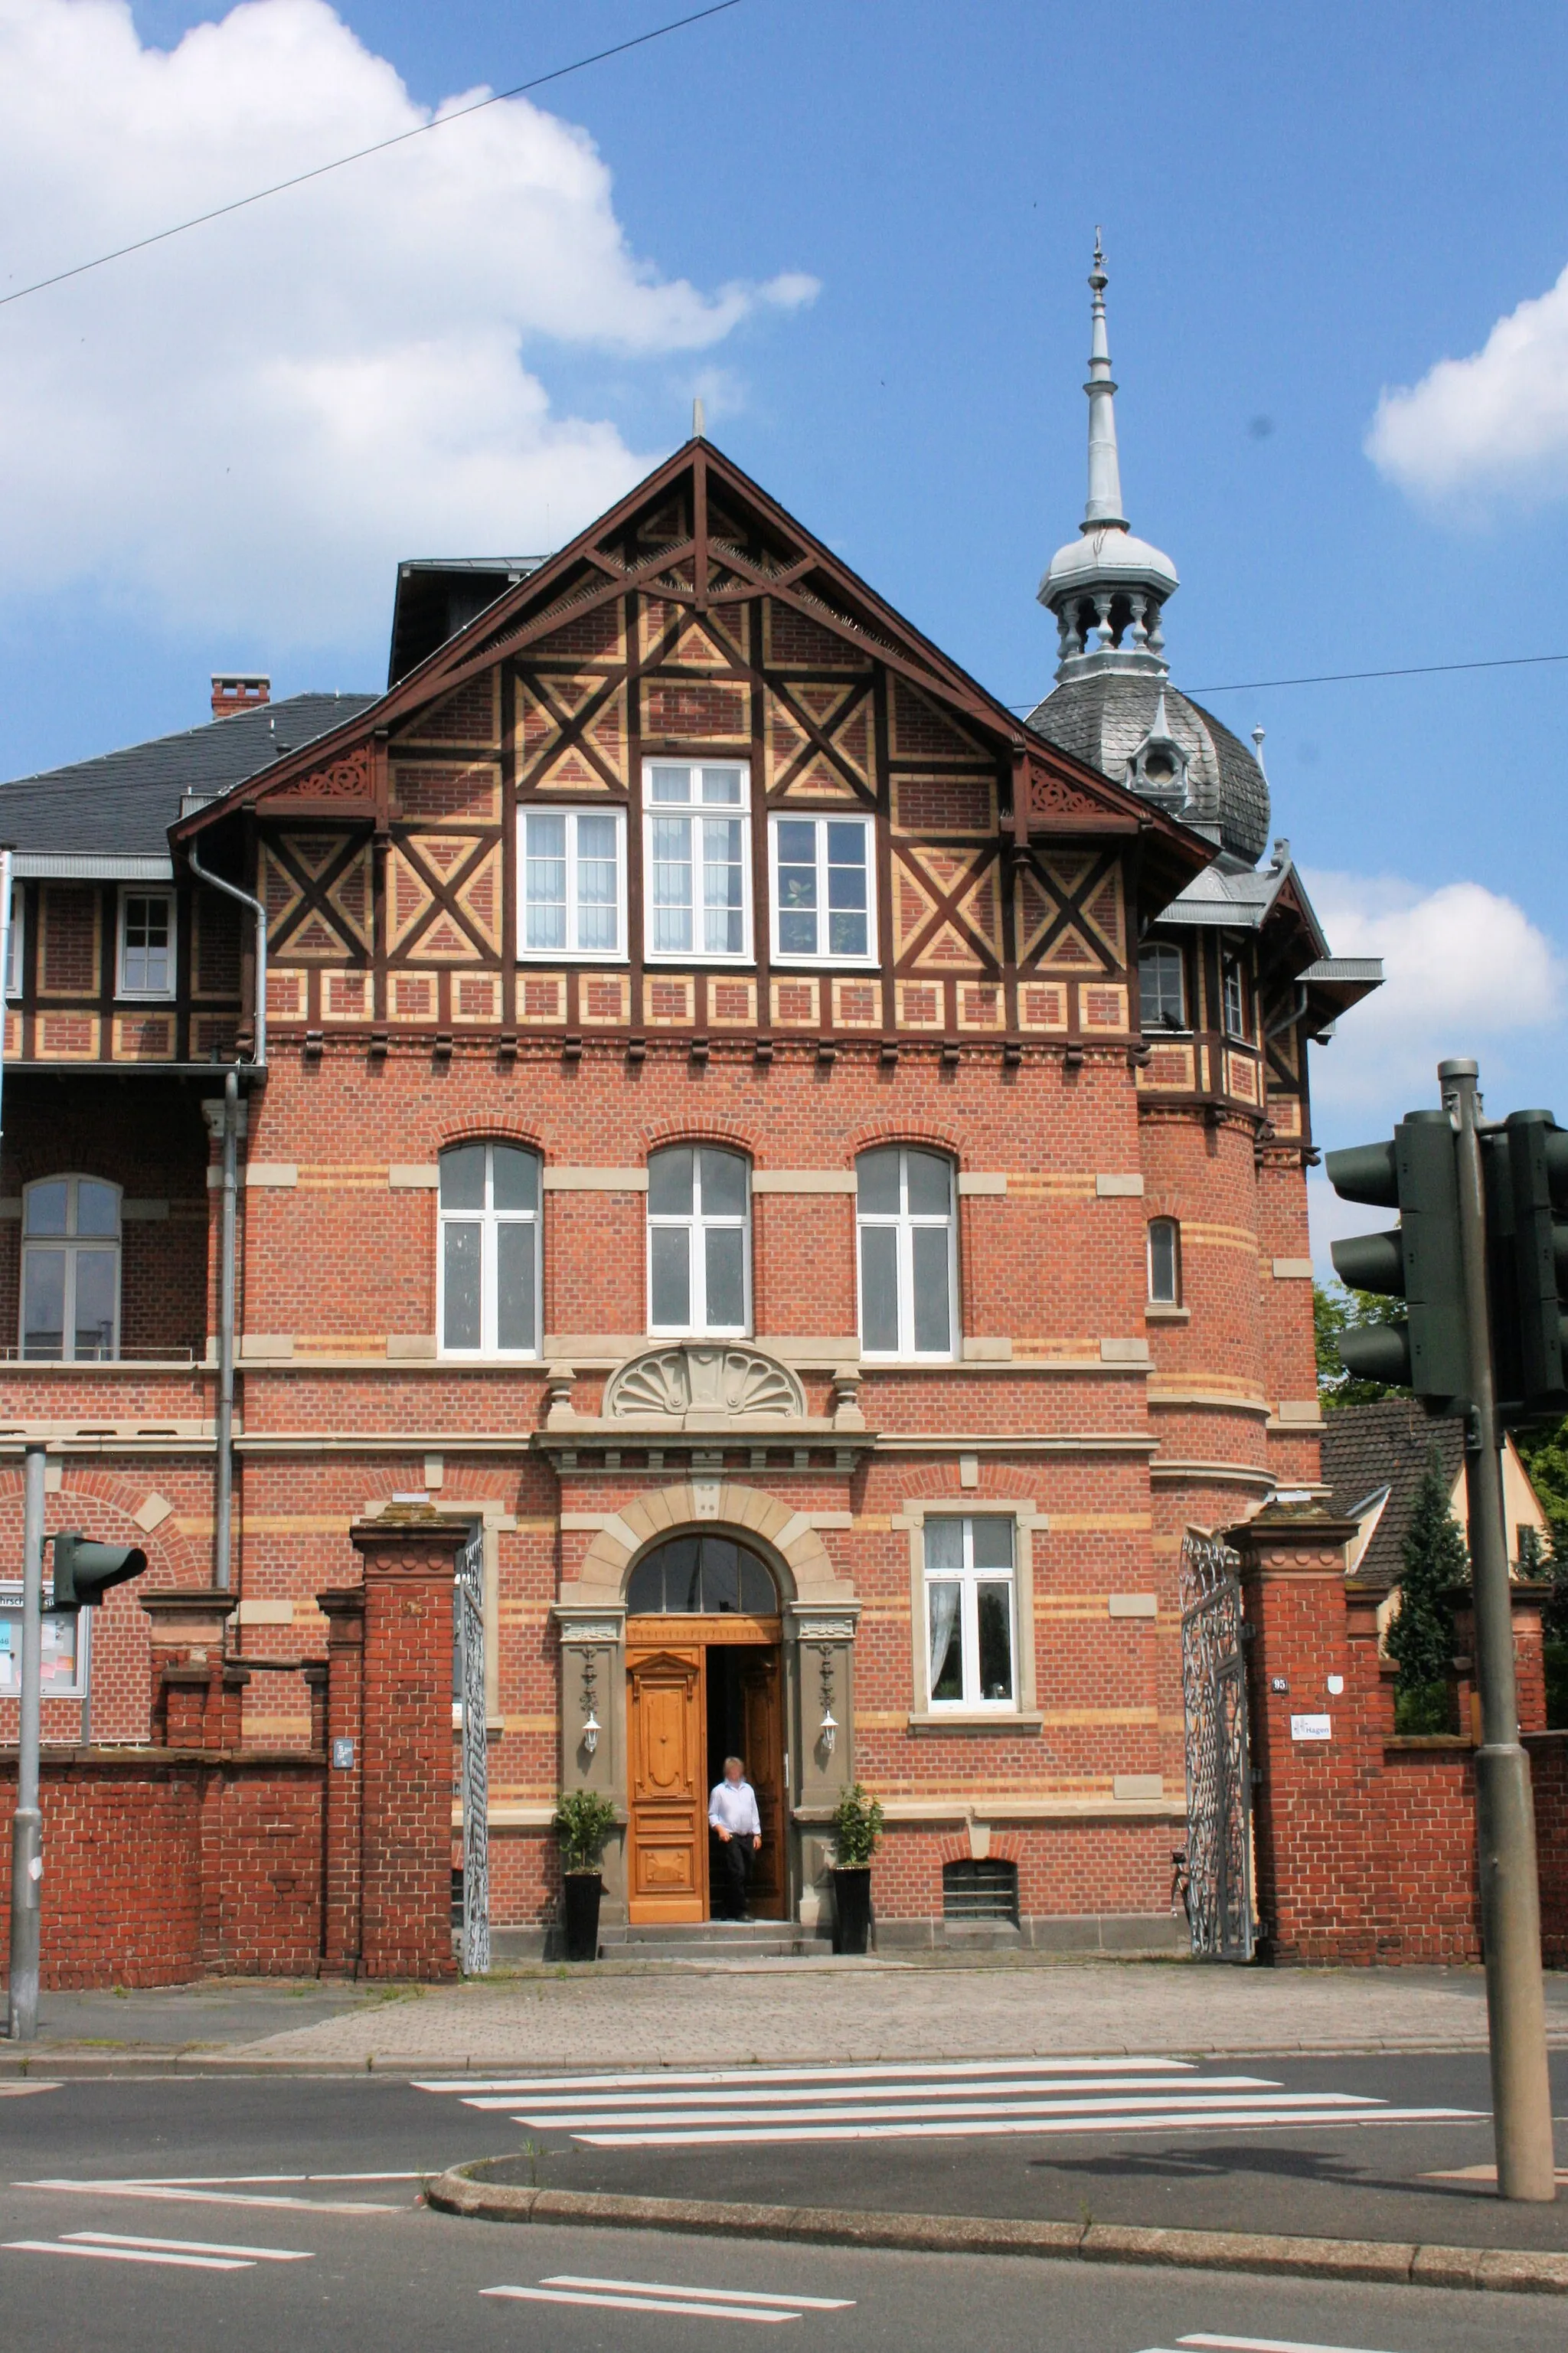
[223, 1514]
[233, 891]
[224, 1500]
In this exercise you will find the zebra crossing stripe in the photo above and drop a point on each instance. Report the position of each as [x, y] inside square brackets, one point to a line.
[130, 2255]
[193, 2247]
[169, 2191]
[1265, 2345]
[682, 2306]
[731, 2294]
[966, 2071]
[1174, 2120]
[716, 2102]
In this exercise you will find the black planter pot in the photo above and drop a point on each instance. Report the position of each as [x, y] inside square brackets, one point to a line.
[581, 1891]
[851, 1910]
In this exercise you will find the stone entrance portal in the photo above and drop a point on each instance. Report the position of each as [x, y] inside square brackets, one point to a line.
[704, 1680]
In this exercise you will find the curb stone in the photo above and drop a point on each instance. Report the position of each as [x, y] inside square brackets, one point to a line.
[463, 2191]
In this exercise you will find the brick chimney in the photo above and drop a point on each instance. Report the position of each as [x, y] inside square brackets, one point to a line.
[233, 692]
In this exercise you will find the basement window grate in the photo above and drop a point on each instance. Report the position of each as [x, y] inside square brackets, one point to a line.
[980, 1890]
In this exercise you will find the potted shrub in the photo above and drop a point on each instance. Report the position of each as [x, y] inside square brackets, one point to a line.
[582, 1822]
[856, 1830]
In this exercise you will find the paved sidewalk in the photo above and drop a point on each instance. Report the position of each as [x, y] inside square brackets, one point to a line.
[786, 2011]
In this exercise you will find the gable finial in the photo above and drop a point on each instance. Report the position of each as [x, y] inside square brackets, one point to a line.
[1104, 504]
[699, 421]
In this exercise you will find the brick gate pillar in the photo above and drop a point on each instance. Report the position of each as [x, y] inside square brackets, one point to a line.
[1314, 1891]
[343, 1741]
[195, 1696]
[406, 1784]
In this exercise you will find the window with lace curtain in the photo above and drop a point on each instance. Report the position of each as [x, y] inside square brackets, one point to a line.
[971, 1614]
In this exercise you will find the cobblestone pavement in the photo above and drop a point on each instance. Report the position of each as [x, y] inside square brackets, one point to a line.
[869, 2010]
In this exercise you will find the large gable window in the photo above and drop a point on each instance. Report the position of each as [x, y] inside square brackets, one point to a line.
[488, 1267]
[571, 902]
[699, 1240]
[822, 890]
[71, 1270]
[698, 857]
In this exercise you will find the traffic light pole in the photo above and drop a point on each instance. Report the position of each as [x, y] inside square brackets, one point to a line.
[1505, 1814]
[26, 1824]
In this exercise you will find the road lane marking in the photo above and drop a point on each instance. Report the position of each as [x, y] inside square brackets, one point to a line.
[20, 2090]
[1480, 2173]
[640, 2304]
[735, 2295]
[517, 2086]
[209, 2197]
[129, 2255]
[194, 2246]
[575, 2119]
[236, 2180]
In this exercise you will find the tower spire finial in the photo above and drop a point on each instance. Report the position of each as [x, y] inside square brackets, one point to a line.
[1103, 509]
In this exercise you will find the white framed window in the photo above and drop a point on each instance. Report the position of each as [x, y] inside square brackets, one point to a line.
[971, 1614]
[1233, 992]
[699, 1240]
[823, 907]
[1162, 988]
[908, 1253]
[698, 855]
[488, 1267]
[71, 1270]
[1164, 1262]
[14, 938]
[146, 943]
[67, 1649]
[572, 888]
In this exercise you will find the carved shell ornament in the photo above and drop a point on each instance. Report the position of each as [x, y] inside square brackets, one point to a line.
[705, 1378]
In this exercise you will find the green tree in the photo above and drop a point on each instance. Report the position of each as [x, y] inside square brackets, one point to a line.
[1421, 1638]
[1337, 1310]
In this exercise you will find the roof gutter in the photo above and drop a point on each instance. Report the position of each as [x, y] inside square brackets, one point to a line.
[233, 891]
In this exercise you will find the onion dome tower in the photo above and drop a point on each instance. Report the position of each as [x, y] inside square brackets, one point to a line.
[1113, 704]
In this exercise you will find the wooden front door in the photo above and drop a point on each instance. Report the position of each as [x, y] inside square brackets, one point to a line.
[760, 1685]
[667, 1839]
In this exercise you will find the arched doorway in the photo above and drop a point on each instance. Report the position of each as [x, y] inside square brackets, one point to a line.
[703, 1682]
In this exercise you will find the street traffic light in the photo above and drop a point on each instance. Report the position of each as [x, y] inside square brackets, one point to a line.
[84, 1572]
[1417, 1261]
[1532, 1214]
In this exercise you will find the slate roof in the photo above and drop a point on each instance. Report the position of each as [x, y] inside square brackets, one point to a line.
[122, 804]
[1386, 1444]
[1103, 719]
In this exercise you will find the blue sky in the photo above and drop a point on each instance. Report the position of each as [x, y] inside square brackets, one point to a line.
[1302, 209]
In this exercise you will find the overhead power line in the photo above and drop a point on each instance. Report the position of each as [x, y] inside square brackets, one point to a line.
[1345, 676]
[398, 139]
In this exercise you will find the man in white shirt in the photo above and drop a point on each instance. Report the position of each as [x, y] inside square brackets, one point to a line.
[733, 1813]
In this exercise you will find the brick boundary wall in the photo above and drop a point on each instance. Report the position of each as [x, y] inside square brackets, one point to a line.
[1365, 1842]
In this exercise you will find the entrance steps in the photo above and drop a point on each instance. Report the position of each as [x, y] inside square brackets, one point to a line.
[710, 1940]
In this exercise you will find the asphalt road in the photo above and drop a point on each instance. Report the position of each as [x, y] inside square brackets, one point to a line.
[359, 2261]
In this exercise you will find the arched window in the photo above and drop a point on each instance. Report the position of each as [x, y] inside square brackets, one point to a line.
[488, 1267]
[1162, 988]
[1164, 1262]
[71, 1270]
[908, 1257]
[699, 1240]
[702, 1576]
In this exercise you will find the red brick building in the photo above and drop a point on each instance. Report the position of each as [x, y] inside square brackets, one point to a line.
[811, 1165]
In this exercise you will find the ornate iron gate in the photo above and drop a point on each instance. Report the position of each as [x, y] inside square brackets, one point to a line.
[468, 1600]
[1219, 1780]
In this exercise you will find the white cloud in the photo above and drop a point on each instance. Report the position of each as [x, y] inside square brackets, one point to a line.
[1465, 969]
[1466, 973]
[1493, 423]
[246, 427]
